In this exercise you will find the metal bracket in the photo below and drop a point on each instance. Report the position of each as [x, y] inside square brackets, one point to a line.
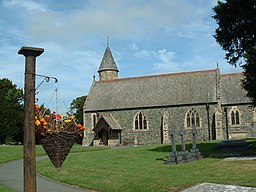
[46, 79]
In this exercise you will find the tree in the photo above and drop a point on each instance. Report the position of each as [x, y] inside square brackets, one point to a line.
[249, 83]
[11, 110]
[76, 108]
[236, 34]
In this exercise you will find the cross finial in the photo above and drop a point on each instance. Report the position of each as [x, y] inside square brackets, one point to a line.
[107, 40]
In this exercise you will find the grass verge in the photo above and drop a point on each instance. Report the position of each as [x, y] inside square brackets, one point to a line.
[142, 168]
[3, 188]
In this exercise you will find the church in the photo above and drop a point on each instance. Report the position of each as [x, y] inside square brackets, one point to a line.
[143, 110]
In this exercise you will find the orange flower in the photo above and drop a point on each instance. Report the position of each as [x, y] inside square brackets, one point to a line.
[79, 125]
[37, 107]
[37, 122]
[42, 120]
[83, 128]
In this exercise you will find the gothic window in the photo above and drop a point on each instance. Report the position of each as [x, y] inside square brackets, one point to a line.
[192, 118]
[235, 116]
[93, 119]
[140, 121]
[232, 118]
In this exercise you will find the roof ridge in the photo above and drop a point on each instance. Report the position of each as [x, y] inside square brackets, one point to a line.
[159, 75]
[231, 74]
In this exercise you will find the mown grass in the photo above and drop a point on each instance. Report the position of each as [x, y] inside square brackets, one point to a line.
[14, 152]
[142, 169]
[3, 188]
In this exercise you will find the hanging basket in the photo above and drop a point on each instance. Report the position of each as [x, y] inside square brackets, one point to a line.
[57, 135]
[58, 145]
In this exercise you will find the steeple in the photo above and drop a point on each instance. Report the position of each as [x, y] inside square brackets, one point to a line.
[108, 68]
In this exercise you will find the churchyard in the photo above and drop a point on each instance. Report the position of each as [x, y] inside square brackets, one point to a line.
[143, 168]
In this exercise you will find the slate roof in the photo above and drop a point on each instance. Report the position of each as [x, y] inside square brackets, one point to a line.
[108, 62]
[153, 91]
[231, 89]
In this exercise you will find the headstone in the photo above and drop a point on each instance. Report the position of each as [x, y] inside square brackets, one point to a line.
[135, 140]
[194, 152]
[174, 156]
[184, 153]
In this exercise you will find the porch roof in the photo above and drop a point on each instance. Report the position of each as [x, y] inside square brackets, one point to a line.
[109, 120]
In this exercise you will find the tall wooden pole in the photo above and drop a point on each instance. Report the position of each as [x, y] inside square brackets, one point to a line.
[29, 150]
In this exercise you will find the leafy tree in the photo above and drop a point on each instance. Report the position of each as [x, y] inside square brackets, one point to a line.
[76, 108]
[11, 110]
[236, 34]
[44, 110]
[249, 82]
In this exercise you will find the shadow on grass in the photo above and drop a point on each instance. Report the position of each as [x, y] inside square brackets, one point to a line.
[208, 149]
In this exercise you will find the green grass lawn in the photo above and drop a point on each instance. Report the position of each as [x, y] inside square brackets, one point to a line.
[142, 169]
[14, 152]
[3, 188]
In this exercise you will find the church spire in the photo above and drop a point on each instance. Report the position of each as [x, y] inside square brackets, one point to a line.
[108, 68]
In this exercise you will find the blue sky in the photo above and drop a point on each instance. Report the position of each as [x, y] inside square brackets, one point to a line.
[146, 37]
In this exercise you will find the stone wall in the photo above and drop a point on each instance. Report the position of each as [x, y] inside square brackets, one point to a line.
[153, 135]
[244, 129]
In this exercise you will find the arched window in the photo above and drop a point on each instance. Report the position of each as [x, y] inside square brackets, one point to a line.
[140, 121]
[235, 116]
[192, 118]
[93, 119]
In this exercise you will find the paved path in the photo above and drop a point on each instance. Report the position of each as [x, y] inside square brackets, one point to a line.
[11, 175]
[212, 187]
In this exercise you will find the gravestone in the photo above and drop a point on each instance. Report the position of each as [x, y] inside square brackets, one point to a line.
[194, 152]
[174, 156]
[184, 153]
[135, 140]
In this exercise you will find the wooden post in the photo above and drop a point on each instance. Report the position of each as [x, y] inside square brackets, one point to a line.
[29, 151]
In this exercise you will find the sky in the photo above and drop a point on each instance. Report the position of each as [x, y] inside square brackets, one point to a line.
[146, 37]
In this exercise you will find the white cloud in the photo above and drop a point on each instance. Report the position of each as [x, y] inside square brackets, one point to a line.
[166, 62]
[28, 5]
[147, 37]
[163, 59]
[116, 18]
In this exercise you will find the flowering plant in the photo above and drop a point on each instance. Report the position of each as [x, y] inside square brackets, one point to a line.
[54, 123]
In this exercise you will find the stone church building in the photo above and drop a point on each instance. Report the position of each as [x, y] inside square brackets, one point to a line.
[143, 110]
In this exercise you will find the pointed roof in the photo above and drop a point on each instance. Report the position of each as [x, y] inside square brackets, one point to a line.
[108, 62]
[109, 120]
